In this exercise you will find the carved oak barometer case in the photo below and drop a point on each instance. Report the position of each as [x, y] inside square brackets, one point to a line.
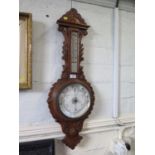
[71, 98]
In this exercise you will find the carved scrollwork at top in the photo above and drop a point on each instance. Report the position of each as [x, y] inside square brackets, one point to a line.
[74, 18]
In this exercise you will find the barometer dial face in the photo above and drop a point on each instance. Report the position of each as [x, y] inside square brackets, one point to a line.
[74, 100]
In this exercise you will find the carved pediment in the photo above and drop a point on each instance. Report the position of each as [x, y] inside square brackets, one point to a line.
[72, 17]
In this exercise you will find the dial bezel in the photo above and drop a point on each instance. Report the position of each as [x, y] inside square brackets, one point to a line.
[59, 102]
[58, 87]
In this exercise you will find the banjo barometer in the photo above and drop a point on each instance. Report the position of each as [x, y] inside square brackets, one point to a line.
[71, 98]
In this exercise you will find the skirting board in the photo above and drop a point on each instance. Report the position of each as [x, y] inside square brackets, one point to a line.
[40, 132]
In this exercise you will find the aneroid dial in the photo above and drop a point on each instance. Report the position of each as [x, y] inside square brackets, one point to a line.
[74, 100]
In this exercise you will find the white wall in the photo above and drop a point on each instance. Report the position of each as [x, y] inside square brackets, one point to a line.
[127, 62]
[35, 120]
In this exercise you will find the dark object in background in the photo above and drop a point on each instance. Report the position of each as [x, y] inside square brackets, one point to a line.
[128, 146]
[43, 147]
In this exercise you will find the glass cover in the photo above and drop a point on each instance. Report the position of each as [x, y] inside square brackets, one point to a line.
[74, 100]
[74, 51]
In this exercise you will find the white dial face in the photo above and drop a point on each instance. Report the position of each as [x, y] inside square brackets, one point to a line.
[74, 100]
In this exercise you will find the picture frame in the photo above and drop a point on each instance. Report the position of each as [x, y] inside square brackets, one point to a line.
[25, 50]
